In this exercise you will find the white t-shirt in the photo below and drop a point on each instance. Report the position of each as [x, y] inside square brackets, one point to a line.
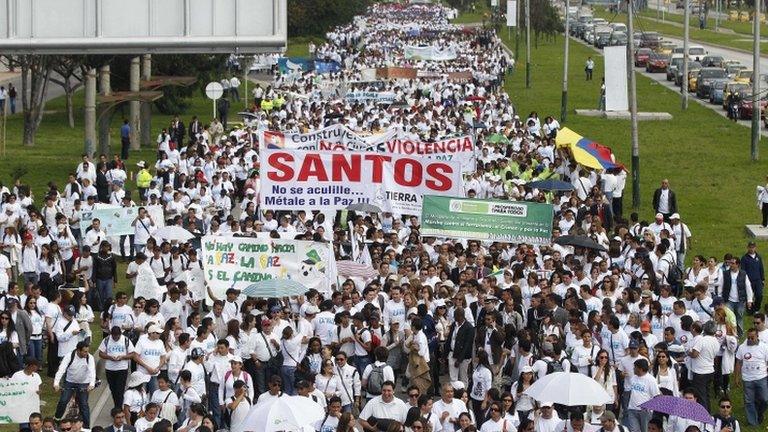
[150, 352]
[376, 407]
[502, 425]
[643, 388]
[707, 347]
[119, 347]
[754, 360]
[327, 424]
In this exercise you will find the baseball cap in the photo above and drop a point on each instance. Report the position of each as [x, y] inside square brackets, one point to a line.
[236, 359]
[645, 326]
[526, 369]
[311, 310]
[675, 216]
[546, 404]
[154, 329]
[197, 353]
[608, 416]
[633, 344]
[70, 310]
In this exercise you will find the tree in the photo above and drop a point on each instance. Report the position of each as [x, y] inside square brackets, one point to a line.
[315, 17]
[69, 73]
[35, 76]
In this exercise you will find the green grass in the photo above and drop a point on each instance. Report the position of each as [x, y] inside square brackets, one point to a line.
[705, 157]
[704, 36]
[739, 27]
[480, 14]
[299, 46]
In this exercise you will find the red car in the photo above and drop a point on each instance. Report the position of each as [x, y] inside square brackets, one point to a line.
[642, 56]
[745, 108]
[656, 63]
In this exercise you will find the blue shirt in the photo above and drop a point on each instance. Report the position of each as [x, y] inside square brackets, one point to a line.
[125, 131]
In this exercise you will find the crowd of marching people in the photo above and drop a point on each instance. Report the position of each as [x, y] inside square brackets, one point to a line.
[447, 336]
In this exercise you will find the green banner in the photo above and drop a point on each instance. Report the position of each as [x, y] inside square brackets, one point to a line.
[505, 221]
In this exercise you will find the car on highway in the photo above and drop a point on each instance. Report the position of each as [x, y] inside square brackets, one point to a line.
[712, 61]
[602, 37]
[693, 66]
[619, 27]
[641, 56]
[618, 39]
[666, 47]
[656, 63]
[717, 90]
[650, 40]
[734, 89]
[704, 79]
[696, 52]
[732, 69]
[746, 109]
[675, 62]
[743, 76]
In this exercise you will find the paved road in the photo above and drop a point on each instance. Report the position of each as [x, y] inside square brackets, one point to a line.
[661, 78]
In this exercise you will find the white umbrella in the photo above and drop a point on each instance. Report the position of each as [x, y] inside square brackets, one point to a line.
[569, 389]
[174, 232]
[286, 413]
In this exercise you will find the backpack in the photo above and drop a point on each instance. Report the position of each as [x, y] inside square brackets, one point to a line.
[553, 366]
[675, 276]
[375, 380]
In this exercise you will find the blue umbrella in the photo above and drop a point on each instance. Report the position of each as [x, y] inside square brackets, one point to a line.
[551, 184]
[275, 288]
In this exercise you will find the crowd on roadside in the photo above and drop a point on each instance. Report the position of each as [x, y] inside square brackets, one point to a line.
[462, 328]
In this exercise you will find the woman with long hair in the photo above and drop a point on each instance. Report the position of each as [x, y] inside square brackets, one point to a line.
[657, 319]
[605, 375]
[83, 314]
[463, 396]
[8, 330]
[482, 380]
[725, 359]
[393, 340]
[290, 345]
[327, 381]
[666, 374]
[697, 272]
[35, 344]
[508, 408]
[524, 404]
[233, 337]
[150, 315]
[313, 358]
[346, 423]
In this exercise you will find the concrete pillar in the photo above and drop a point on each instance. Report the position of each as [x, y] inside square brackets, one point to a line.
[146, 107]
[105, 88]
[90, 112]
[135, 105]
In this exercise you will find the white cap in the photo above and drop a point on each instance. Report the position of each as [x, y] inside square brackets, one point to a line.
[250, 191]
[237, 359]
[154, 329]
[545, 404]
[458, 385]
[675, 216]
[311, 310]
[141, 164]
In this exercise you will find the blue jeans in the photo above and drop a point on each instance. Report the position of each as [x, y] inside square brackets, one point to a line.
[152, 385]
[288, 374]
[35, 349]
[104, 288]
[755, 400]
[738, 309]
[212, 390]
[360, 363]
[637, 420]
[81, 391]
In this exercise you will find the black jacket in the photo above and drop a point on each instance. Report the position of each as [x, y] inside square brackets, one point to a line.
[104, 267]
[462, 348]
[672, 201]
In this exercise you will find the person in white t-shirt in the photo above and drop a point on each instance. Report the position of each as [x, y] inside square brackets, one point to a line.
[143, 227]
[151, 356]
[384, 407]
[752, 365]
[704, 349]
[238, 404]
[643, 387]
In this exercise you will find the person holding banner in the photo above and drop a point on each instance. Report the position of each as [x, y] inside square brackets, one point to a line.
[144, 226]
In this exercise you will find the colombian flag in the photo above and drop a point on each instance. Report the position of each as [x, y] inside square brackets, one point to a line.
[587, 152]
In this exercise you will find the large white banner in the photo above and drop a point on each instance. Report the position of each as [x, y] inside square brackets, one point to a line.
[429, 53]
[340, 138]
[18, 399]
[116, 221]
[236, 262]
[297, 179]
[365, 96]
[616, 89]
[511, 13]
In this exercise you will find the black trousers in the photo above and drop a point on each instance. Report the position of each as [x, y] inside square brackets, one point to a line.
[765, 214]
[116, 380]
[617, 205]
[701, 384]
[125, 146]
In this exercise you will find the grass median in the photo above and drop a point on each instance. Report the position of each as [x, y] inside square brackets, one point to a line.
[738, 27]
